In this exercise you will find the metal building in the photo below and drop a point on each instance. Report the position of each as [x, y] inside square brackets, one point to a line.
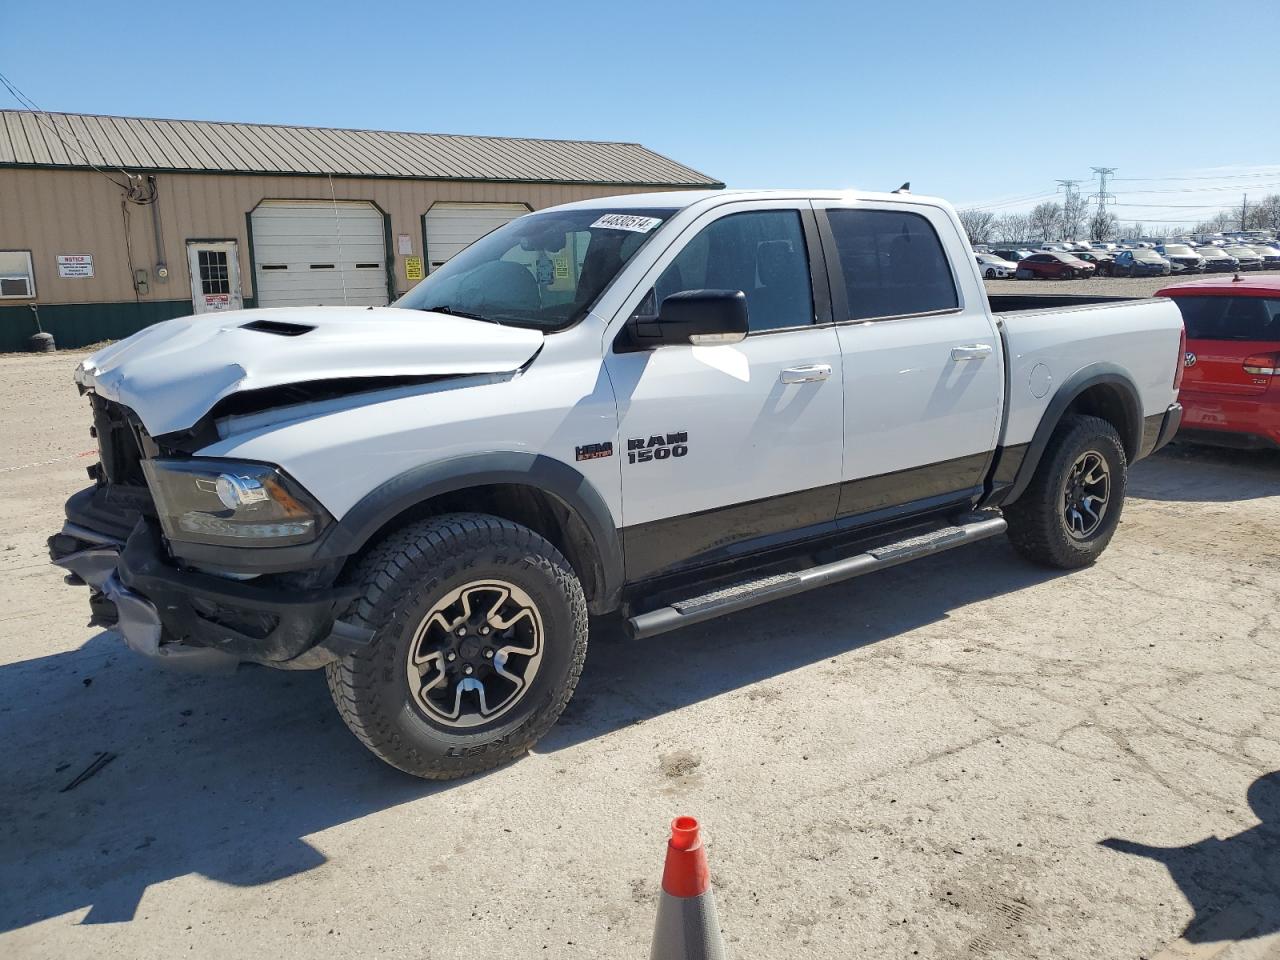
[108, 224]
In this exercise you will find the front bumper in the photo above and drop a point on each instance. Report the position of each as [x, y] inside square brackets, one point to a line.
[200, 621]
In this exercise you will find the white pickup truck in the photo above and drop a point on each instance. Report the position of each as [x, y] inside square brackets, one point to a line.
[668, 406]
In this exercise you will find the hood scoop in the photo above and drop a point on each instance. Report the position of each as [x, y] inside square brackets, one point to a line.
[279, 328]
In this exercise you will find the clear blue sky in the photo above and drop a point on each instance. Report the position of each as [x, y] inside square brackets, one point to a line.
[972, 101]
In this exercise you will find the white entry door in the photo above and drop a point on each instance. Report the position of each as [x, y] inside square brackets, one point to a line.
[215, 275]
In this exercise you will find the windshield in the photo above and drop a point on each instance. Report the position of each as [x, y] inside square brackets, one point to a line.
[1147, 255]
[1231, 318]
[544, 270]
[1178, 249]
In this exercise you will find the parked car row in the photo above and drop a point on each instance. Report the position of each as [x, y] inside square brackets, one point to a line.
[1068, 260]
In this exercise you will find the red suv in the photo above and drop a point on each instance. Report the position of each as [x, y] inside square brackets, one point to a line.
[1051, 265]
[1231, 374]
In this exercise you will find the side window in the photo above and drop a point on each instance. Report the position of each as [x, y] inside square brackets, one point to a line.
[762, 253]
[893, 263]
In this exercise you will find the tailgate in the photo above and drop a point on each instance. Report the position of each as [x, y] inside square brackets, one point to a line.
[1219, 367]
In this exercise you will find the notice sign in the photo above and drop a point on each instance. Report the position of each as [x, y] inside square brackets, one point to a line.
[217, 301]
[404, 244]
[75, 265]
[413, 268]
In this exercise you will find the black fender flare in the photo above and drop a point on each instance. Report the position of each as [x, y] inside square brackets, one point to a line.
[541, 473]
[1092, 375]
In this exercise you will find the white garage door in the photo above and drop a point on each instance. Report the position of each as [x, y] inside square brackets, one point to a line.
[452, 226]
[309, 252]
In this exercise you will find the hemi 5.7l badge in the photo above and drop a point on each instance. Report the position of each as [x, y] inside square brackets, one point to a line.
[594, 451]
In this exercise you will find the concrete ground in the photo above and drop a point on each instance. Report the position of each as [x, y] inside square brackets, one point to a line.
[962, 757]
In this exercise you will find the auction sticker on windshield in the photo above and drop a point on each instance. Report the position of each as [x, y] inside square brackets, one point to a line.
[626, 221]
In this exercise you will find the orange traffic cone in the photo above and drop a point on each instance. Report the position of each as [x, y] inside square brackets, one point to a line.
[688, 927]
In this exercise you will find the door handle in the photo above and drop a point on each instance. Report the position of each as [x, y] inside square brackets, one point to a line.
[806, 374]
[973, 351]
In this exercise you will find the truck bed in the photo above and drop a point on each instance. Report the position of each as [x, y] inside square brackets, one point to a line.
[1017, 302]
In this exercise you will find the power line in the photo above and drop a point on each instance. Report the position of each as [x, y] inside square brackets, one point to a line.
[133, 184]
[1225, 176]
[1231, 188]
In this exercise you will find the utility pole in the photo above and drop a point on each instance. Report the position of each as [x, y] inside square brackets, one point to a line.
[1244, 213]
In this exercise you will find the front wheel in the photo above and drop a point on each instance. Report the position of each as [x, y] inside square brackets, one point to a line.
[990, 274]
[480, 634]
[1069, 512]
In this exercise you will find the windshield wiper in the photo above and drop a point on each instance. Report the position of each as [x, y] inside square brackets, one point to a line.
[445, 308]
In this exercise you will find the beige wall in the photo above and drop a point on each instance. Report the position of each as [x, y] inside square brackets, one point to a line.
[51, 212]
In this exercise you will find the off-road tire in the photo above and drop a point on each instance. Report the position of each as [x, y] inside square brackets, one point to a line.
[400, 579]
[1037, 527]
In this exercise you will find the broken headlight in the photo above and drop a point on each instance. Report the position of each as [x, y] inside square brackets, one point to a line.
[232, 503]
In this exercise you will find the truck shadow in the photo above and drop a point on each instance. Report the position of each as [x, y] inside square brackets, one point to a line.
[1193, 473]
[226, 777]
[1247, 864]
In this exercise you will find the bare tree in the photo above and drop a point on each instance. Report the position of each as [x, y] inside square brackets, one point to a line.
[1045, 221]
[978, 225]
[1075, 214]
[1220, 221]
[1103, 225]
[1012, 227]
[1266, 214]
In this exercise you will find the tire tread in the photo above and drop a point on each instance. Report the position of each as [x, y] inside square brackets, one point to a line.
[1034, 527]
[384, 575]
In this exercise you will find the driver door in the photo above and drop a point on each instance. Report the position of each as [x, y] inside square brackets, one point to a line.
[728, 449]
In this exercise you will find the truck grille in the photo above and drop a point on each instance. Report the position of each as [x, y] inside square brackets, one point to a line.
[119, 443]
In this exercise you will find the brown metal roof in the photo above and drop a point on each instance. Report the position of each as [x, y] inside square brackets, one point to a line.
[202, 146]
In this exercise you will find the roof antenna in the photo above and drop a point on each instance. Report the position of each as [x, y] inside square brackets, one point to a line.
[1237, 278]
[905, 188]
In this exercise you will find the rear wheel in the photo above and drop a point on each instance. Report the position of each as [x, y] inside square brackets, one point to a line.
[480, 633]
[990, 274]
[1069, 512]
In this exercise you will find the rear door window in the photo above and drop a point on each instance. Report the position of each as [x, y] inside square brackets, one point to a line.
[893, 264]
[1231, 318]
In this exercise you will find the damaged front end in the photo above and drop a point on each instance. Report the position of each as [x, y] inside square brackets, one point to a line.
[209, 562]
[230, 599]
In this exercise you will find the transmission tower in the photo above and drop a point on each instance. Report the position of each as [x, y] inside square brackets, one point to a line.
[1101, 197]
[1070, 187]
[1071, 191]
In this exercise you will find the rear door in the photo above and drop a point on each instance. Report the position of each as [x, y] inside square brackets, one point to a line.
[923, 364]
[1229, 338]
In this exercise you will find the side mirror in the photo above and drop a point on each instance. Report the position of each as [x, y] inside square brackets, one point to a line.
[698, 317]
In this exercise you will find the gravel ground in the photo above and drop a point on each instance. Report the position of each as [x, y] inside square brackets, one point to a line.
[961, 757]
[1106, 286]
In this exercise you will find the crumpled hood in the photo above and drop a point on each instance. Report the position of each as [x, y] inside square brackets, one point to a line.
[172, 373]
